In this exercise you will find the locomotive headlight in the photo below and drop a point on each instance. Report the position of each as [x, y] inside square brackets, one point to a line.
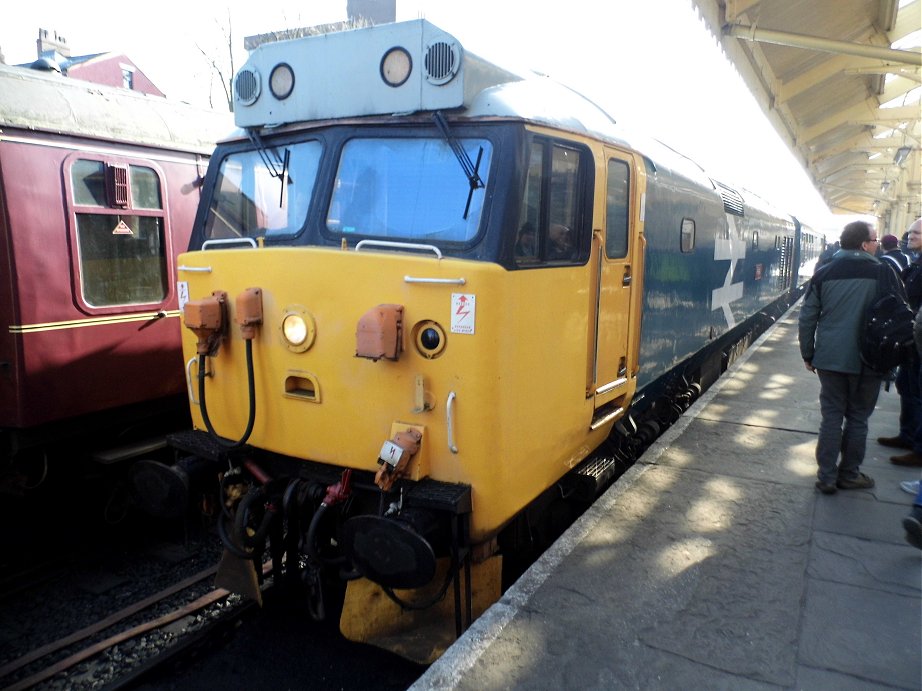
[396, 66]
[297, 329]
[282, 81]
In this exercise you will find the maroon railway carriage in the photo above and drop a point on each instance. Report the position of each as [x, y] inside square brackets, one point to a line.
[98, 191]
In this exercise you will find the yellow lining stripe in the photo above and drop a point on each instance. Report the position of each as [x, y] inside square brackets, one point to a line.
[96, 321]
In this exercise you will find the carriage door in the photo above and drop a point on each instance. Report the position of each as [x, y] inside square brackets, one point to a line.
[613, 361]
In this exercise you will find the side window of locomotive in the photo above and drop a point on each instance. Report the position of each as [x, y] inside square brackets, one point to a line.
[561, 236]
[526, 243]
[616, 209]
[263, 193]
[120, 233]
[687, 239]
[550, 215]
[416, 189]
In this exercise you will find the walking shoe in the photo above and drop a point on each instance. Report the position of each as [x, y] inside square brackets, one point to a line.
[913, 526]
[911, 459]
[824, 488]
[894, 442]
[861, 481]
[911, 486]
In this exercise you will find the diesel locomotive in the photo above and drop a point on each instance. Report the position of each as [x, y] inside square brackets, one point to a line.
[98, 190]
[426, 300]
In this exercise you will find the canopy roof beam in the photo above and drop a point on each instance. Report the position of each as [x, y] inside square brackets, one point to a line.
[827, 45]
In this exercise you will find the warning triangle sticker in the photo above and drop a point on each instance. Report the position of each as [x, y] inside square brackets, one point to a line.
[122, 229]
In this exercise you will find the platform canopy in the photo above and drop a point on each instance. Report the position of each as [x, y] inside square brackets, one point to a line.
[840, 82]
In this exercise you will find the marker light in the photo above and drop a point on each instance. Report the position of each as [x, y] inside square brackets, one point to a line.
[282, 81]
[429, 337]
[396, 66]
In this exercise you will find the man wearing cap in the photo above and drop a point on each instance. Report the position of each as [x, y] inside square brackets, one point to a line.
[892, 254]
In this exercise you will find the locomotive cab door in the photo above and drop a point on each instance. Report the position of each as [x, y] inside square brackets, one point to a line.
[616, 260]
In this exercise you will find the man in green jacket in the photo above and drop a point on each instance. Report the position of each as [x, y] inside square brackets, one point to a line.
[831, 324]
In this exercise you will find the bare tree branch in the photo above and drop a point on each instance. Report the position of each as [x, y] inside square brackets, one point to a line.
[225, 71]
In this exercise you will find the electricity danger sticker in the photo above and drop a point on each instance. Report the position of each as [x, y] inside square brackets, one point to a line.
[182, 290]
[463, 311]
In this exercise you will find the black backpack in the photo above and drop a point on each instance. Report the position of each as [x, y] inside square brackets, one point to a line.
[887, 340]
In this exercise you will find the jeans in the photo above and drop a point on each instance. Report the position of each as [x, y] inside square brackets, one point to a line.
[915, 436]
[908, 386]
[850, 398]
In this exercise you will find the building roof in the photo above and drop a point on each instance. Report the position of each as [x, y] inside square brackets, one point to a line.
[840, 82]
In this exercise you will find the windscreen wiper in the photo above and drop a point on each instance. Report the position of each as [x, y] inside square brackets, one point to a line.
[471, 169]
[275, 164]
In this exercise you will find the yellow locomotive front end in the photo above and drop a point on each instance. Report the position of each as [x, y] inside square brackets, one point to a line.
[354, 346]
[402, 331]
[403, 369]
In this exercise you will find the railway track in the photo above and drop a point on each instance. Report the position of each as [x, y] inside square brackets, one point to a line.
[116, 648]
[187, 635]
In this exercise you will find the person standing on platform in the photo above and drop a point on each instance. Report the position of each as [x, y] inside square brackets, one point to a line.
[830, 326]
[826, 255]
[908, 382]
[912, 523]
[904, 246]
[893, 255]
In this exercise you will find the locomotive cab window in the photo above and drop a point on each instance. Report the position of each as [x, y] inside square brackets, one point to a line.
[264, 193]
[553, 205]
[120, 231]
[417, 189]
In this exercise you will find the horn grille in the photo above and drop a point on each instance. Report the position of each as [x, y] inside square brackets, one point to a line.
[247, 86]
[441, 62]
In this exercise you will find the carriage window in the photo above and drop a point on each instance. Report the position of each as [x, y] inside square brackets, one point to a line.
[254, 200]
[89, 182]
[121, 244]
[687, 242]
[616, 205]
[549, 217]
[409, 189]
[145, 188]
[122, 259]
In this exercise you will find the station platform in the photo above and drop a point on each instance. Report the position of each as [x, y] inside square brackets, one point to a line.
[714, 563]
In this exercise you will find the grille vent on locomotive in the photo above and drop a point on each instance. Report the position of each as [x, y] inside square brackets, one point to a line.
[441, 62]
[246, 86]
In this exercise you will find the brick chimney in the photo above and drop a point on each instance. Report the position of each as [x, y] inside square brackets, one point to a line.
[50, 41]
[376, 11]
